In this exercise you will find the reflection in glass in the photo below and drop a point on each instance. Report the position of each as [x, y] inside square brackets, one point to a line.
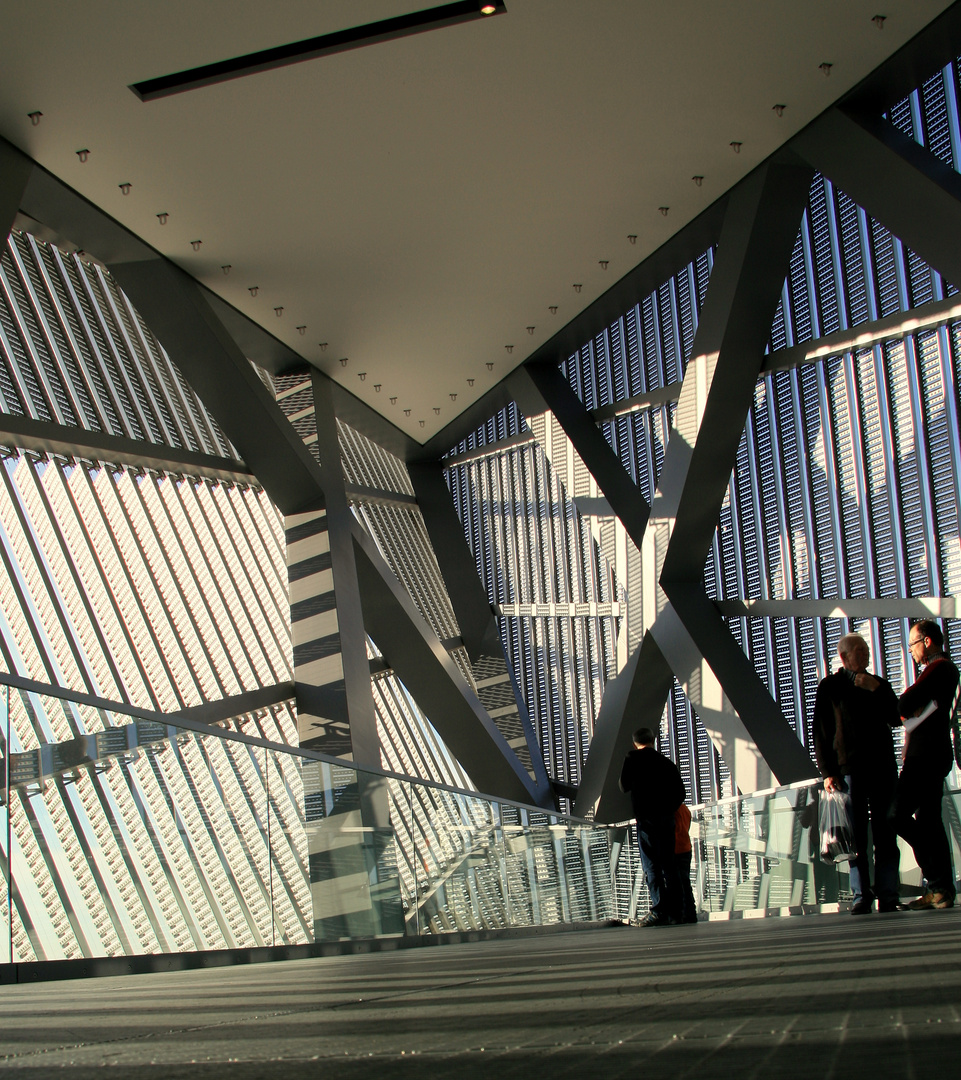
[145, 838]
[122, 836]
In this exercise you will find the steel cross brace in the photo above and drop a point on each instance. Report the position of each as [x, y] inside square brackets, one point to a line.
[683, 634]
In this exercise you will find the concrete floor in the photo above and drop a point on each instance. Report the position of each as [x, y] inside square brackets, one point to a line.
[810, 997]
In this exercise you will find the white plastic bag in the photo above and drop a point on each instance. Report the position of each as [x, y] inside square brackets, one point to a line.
[836, 827]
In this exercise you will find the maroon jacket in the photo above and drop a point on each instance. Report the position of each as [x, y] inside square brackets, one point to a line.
[931, 739]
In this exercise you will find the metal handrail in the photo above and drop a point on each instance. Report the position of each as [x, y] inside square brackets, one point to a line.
[178, 720]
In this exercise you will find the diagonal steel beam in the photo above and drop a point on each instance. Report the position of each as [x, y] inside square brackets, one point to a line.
[492, 669]
[15, 170]
[66, 215]
[177, 311]
[902, 184]
[720, 379]
[464, 588]
[719, 385]
[736, 708]
[540, 387]
[422, 663]
[681, 629]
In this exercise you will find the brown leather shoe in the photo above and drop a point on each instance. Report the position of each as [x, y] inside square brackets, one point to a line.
[922, 902]
[938, 900]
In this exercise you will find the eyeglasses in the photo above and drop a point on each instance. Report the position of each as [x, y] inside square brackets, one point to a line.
[917, 641]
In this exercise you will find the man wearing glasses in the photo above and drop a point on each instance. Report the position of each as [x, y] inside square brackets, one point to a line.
[928, 709]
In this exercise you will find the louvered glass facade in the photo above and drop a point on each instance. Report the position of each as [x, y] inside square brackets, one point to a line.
[134, 587]
[136, 590]
[846, 482]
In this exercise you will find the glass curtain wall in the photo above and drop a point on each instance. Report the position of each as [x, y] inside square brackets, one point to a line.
[846, 483]
[156, 589]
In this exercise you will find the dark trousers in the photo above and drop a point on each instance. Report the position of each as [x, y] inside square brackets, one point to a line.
[917, 817]
[682, 861]
[872, 795]
[655, 838]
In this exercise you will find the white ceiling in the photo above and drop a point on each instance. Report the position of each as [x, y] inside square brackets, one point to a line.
[419, 203]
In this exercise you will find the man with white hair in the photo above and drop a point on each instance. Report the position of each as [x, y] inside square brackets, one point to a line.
[854, 712]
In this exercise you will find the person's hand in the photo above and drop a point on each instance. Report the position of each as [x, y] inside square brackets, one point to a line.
[831, 783]
[866, 681]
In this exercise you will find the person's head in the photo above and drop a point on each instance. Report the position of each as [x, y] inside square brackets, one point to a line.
[854, 652]
[643, 737]
[925, 640]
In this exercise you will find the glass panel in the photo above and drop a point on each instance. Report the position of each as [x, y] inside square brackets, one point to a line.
[128, 836]
[760, 851]
[6, 946]
[354, 883]
[484, 865]
[143, 838]
[952, 817]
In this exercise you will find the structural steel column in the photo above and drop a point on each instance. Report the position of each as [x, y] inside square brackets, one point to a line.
[718, 389]
[464, 587]
[338, 524]
[493, 675]
[322, 706]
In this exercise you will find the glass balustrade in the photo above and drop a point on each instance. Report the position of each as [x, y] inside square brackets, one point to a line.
[759, 853]
[125, 836]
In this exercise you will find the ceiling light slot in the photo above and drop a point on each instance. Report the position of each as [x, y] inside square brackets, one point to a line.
[401, 26]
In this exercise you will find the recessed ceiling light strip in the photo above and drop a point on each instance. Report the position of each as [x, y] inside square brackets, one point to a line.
[416, 22]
